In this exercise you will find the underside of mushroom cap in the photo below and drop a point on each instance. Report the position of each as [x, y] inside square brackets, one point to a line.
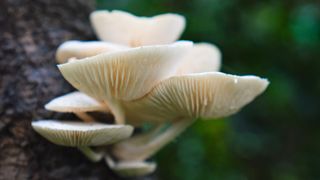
[207, 95]
[76, 134]
[75, 102]
[83, 49]
[124, 28]
[203, 57]
[127, 74]
[131, 168]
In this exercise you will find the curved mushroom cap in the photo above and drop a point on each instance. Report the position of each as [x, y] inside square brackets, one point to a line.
[82, 49]
[207, 95]
[75, 102]
[127, 29]
[76, 134]
[126, 75]
[131, 168]
[203, 57]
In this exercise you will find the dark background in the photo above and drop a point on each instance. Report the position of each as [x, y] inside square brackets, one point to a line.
[275, 137]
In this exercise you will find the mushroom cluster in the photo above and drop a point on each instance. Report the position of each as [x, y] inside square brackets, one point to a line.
[140, 74]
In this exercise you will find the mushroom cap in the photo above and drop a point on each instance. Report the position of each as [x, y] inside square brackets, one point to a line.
[207, 95]
[75, 102]
[131, 168]
[82, 49]
[77, 134]
[203, 57]
[124, 28]
[127, 74]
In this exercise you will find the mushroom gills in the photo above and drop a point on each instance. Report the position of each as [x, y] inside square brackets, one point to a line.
[117, 77]
[78, 134]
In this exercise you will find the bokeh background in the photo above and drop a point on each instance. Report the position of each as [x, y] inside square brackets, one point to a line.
[278, 135]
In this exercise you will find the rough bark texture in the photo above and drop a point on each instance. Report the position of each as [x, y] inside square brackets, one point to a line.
[30, 31]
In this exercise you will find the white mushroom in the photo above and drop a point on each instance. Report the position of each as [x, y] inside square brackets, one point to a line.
[83, 49]
[124, 28]
[203, 57]
[82, 135]
[77, 103]
[181, 100]
[131, 168]
[124, 75]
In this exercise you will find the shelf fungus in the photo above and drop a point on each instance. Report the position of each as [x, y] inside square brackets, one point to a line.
[140, 74]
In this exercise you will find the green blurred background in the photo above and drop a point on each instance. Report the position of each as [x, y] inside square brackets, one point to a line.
[275, 137]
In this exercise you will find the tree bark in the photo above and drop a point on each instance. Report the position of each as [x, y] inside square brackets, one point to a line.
[30, 32]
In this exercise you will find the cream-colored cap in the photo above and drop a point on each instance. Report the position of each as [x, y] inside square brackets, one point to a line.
[75, 102]
[76, 134]
[124, 28]
[83, 49]
[203, 57]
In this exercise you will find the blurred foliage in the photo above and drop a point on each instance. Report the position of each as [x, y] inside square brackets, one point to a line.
[275, 137]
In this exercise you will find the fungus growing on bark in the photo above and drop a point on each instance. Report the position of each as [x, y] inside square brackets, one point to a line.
[160, 82]
[118, 76]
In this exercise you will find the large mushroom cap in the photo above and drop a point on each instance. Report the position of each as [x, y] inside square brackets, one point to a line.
[208, 95]
[127, 74]
[77, 134]
[75, 102]
[83, 49]
[127, 29]
[131, 168]
[203, 57]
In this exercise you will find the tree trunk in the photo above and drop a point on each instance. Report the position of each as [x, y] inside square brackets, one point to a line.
[30, 32]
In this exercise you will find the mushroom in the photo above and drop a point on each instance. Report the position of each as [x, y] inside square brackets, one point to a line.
[180, 100]
[83, 49]
[131, 168]
[82, 135]
[124, 28]
[124, 75]
[77, 103]
[203, 57]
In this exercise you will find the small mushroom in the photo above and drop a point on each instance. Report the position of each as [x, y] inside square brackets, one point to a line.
[203, 57]
[82, 135]
[182, 99]
[124, 28]
[83, 49]
[125, 75]
[131, 168]
[77, 103]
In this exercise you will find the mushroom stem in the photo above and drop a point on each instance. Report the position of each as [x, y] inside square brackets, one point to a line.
[118, 113]
[139, 150]
[93, 156]
[141, 139]
[84, 116]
